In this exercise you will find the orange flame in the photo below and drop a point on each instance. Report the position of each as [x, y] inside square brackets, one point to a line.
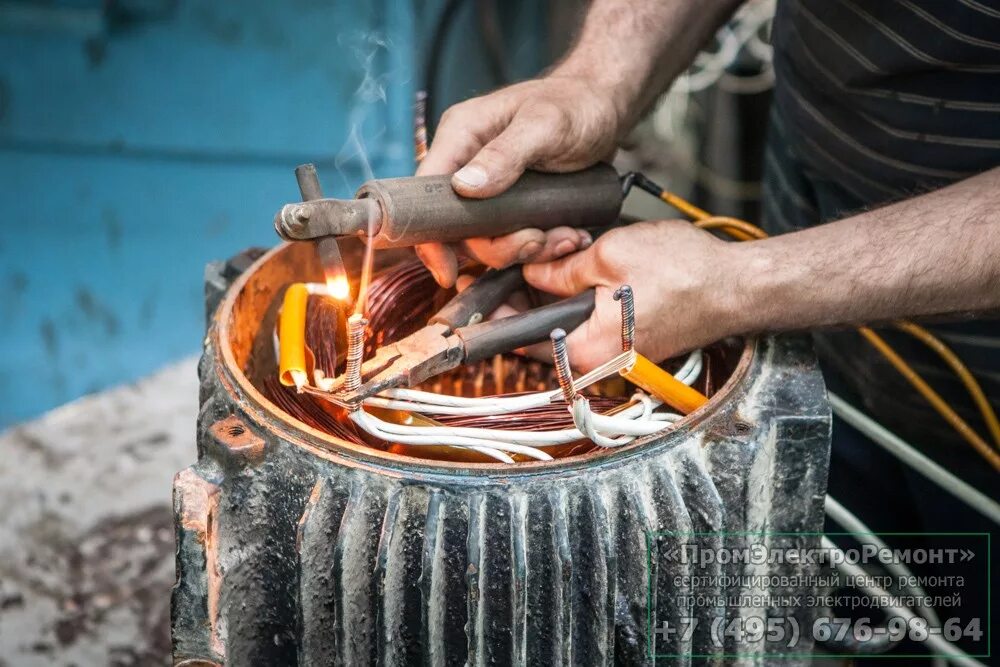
[338, 287]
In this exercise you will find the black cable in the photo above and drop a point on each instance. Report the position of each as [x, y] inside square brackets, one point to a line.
[492, 33]
[641, 181]
[434, 55]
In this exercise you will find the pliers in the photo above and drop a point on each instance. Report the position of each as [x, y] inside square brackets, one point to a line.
[457, 335]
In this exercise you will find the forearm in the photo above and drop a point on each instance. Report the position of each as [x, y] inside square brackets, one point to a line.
[637, 48]
[936, 254]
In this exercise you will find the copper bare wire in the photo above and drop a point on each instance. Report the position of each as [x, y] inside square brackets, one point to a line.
[561, 364]
[324, 324]
[744, 231]
[627, 299]
[355, 351]
[308, 410]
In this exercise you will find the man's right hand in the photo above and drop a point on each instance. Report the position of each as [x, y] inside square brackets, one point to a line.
[557, 123]
[567, 120]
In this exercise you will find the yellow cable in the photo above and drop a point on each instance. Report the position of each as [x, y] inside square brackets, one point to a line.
[684, 206]
[932, 397]
[293, 355]
[961, 370]
[738, 229]
[742, 230]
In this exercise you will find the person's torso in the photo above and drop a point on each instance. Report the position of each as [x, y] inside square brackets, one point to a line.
[893, 97]
[876, 102]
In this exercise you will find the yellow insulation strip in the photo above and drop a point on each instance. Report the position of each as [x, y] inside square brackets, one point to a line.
[661, 384]
[292, 336]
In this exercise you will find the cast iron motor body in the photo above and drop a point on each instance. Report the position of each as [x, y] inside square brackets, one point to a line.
[291, 552]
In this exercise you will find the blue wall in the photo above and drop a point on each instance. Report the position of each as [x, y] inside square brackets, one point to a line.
[135, 148]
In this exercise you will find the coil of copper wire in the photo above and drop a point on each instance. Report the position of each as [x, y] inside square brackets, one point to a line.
[400, 301]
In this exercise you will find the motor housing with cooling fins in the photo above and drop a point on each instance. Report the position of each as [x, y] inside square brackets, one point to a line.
[294, 549]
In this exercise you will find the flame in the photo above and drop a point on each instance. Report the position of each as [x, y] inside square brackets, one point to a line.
[338, 287]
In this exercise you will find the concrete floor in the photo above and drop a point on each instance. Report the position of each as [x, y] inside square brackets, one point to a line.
[86, 532]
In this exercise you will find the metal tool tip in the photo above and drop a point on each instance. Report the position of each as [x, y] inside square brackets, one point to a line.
[622, 292]
[291, 221]
[557, 335]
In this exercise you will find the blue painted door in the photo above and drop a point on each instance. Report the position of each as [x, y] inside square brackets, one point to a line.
[140, 139]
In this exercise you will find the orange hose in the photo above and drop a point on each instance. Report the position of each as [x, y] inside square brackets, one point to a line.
[684, 206]
[738, 229]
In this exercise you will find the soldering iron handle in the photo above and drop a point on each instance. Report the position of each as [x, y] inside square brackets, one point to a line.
[425, 209]
[486, 339]
[480, 298]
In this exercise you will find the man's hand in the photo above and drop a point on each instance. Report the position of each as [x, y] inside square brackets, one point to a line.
[558, 123]
[678, 274]
[567, 120]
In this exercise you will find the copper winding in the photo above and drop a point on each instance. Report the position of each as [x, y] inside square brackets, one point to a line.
[325, 333]
[400, 300]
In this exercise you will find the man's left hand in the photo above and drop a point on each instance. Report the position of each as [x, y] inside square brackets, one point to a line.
[682, 279]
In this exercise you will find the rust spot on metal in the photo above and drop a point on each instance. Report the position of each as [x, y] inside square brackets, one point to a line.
[199, 513]
[234, 435]
[314, 495]
[214, 577]
[196, 496]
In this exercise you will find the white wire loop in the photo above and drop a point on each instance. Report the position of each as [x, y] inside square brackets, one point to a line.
[643, 416]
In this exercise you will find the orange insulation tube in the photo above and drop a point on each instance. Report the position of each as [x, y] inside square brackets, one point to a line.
[661, 384]
[293, 366]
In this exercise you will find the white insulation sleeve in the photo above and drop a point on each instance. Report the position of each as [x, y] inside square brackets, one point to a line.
[636, 420]
[414, 400]
[405, 435]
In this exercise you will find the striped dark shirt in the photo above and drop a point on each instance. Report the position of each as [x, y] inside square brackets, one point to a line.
[876, 101]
